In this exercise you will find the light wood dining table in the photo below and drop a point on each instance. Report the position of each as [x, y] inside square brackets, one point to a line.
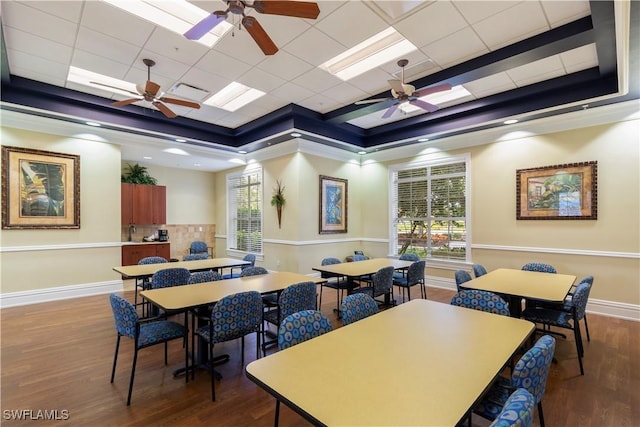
[422, 363]
[147, 270]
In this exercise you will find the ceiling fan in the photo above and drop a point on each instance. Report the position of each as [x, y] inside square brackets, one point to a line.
[402, 92]
[298, 9]
[150, 93]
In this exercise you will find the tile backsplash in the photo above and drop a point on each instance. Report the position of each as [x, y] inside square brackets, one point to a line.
[180, 236]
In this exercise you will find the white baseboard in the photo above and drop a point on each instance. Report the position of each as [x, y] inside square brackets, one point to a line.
[13, 299]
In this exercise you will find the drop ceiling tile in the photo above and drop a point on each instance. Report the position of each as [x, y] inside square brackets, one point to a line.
[327, 7]
[261, 106]
[391, 10]
[431, 23]
[580, 59]
[317, 80]
[103, 93]
[517, 23]
[282, 29]
[165, 67]
[537, 71]
[202, 80]
[39, 23]
[40, 65]
[284, 65]
[223, 65]
[292, 93]
[562, 12]
[115, 22]
[106, 46]
[319, 103]
[37, 46]
[207, 114]
[476, 11]
[314, 46]
[175, 46]
[30, 73]
[490, 85]
[233, 120]
[340, 24]
[455, 48]
[67, 10]
[238, 44]
[374, 81]
[261, 80]
[345, 93]
[418, 63]
[99, 64]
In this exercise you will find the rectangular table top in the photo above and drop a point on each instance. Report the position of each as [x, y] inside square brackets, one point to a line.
[146, 270]
[422, 363]
[362, 268]
[178, 298]
[526, 284]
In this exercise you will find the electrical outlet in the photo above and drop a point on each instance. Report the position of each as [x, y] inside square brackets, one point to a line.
[278, 263]
[200, 228]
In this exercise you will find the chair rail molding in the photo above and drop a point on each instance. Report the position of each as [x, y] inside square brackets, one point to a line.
[562, 251]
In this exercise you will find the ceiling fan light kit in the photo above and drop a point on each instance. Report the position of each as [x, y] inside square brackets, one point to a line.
[297, 9]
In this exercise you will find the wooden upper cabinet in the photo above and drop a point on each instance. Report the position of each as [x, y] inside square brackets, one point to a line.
[143, 204]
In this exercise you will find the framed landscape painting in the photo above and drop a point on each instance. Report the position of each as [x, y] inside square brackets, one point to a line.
[558, 192]
[333, 205]
[40, 189]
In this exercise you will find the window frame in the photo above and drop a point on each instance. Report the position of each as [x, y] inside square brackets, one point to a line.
[232, 235]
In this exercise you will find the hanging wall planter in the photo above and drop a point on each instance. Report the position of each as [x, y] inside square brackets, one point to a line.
[278, 200]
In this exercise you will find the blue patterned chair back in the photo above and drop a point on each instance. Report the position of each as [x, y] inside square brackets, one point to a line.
[251, 258]
[517, 410]
[479, 270]
[170, 277]
[152, 260]
[356, 307]
[540, 267]
[382, 281]
[125, 316]
[532, 369]
[588, 279]
[297, 297]
[198, 247]
[461, 276]
[415, 274]
[253, 271]
[236, 315]
[195, 257]
[358, 258]
[302, 326]
[329, 261]
[204, 276]
[409, 257]
[580, 298]
[481, 301]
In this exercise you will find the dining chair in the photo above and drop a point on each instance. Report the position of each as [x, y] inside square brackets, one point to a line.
[299, 327]
[481, 301]
[293, 298]
[145, 283]
[195, 257]
[203, 277]
[334, 281]
[479, 270]
[567, 317]
[461, 276]
[381, 284]
[198, 247]
[232, 317]
[414, 276]
[540, 267]
[145, 332]
[253, 271]
[531, 372]
[407, 256]
[517, 410]
[248, 257]
[358, 257]
[166, 278]
[357, 307]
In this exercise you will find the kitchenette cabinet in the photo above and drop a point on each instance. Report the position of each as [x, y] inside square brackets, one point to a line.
[143, 204]
[132, 253]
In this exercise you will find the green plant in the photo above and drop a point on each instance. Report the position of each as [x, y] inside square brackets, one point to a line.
[136, 174]
[278, 200]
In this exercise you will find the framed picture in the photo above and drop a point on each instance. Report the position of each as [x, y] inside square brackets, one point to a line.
[558, 192]
[40, 189]
[333, 205]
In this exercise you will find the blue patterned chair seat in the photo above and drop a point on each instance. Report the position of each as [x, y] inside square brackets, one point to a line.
[414, 276]
[159, 331]
[195, 257]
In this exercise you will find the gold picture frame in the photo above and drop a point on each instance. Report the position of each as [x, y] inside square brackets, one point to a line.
[558, 192]
[333, 205]
[40, 189]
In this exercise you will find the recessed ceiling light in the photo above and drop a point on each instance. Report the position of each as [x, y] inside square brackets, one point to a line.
[423, 139]
[362, 152]
[196, 164]
[176, 151]
[93, 124]
[296, 135]
[147, 157]
[510, 122]
[234, 96]
[242, 152]
[181, 140]
[371, 53]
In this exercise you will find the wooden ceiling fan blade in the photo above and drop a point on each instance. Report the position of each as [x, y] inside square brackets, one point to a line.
[259, 35]
[396, 85]
[390, 111]
[126, 102]
[298, 9]
[207, 24]
[432, 89]
[182, 102]
[371, 101]
[165, 110]
[115, 87]
[424, 105]
[152, 88]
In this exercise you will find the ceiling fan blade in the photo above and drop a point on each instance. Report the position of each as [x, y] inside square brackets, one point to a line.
[371, 101]
[115, 87]
[396, 85]
[424, 105]
[390, 111]
[126, 102]
[259, 35]
[152, 88]
[207, 24]
[182, 102]
[432, 89]
[299, 9]
[165, 110]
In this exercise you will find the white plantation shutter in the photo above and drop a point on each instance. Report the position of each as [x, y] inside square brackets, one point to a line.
[244, 211]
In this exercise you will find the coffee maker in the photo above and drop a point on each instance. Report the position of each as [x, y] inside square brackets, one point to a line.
[163, 235]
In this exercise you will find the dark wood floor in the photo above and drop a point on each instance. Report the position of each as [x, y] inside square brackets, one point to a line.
[57, 356]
